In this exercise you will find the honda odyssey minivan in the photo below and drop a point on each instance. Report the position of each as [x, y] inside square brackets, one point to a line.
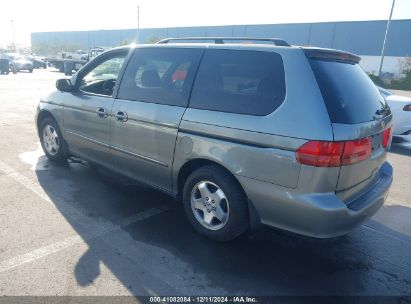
[242, 133]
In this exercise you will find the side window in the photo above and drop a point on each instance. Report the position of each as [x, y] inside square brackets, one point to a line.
[160, 75]
[102, 78]
[239, 81]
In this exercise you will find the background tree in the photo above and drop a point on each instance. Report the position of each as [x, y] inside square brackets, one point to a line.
[125, 42]
[52, 49]
[152, 39]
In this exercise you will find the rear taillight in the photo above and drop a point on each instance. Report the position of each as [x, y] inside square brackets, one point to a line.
[356, 150]
[386, 137]
[334, 154]
[320, 153]
[407, 108]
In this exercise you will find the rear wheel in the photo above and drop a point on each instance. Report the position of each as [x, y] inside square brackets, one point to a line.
[215, 204]
[51, 140]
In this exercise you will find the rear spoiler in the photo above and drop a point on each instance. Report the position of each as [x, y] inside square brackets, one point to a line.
[330, 54]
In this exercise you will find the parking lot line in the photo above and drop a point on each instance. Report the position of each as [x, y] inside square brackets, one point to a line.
[95, 228]
[59, 204]
[63, 206]
[70, 241]
[394, 201]
[25, 181]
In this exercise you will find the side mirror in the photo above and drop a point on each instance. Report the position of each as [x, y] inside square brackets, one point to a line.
[64, 85]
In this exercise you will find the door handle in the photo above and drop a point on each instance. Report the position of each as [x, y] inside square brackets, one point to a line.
[121, 116]
[102, 112]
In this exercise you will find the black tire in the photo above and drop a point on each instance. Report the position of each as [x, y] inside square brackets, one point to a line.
[59, 155]
[238, 217]
[31, 70]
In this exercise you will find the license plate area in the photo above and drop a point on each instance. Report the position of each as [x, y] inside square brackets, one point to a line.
[376, 143]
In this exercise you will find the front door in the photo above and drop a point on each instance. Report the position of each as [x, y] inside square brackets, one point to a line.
[86, 117]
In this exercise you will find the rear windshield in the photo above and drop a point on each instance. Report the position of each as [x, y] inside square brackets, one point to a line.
[349, 94]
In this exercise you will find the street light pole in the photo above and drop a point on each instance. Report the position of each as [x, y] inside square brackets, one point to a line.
[13, 46]
[385, 38]
[138, 24]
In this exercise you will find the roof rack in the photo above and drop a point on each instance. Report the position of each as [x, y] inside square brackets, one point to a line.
[220, 40]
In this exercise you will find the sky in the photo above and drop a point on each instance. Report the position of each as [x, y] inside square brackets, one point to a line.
[27, 16]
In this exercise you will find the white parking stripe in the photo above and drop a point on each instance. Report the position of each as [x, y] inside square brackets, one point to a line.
[96, 228]
[393, 201]
[70, 241]
[29, 184]
[59, 204]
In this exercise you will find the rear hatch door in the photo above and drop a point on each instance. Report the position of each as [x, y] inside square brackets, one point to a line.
[357, 111]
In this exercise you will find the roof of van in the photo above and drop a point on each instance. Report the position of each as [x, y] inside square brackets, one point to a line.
[310, 52]
[221, 40]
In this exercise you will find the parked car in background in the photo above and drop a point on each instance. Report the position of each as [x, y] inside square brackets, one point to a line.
[38, 62]
[4, 64]
[401, 110]
[20, 63]
[67, 63]
[77, 55]
[242, 133]
[95, 51]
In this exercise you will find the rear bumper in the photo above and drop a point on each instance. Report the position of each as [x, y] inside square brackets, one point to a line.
[320, 215]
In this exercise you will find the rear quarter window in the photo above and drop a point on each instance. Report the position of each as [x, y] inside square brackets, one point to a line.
[349, 94]
[239, 81]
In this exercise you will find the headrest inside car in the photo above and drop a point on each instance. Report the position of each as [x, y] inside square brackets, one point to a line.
[150, 78]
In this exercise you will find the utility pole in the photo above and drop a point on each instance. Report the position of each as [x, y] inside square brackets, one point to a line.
[138, 24]
[13, 45]
[385, 38]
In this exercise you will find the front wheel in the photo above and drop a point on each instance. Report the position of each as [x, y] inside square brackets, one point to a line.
[51, 140]
[215, 204]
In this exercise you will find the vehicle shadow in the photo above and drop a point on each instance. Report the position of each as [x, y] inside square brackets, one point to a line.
[162, 254]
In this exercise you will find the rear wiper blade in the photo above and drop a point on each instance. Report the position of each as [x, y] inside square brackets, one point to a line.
[381, 112]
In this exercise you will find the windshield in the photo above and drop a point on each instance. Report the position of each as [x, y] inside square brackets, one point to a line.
[349, 94]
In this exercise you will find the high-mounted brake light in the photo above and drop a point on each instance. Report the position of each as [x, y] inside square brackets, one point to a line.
[327, 54]
[386, 137]
[334, 154]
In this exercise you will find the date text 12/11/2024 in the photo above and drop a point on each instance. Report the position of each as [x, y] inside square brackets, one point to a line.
[203, 299]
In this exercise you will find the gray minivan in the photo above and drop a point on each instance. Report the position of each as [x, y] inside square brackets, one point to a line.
[243, 133]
